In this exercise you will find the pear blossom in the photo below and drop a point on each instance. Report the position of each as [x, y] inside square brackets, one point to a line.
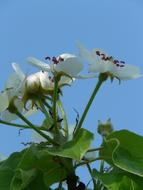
[66, 63]
[100, 62]
[14, 90]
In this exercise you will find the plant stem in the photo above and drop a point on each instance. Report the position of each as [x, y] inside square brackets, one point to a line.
[102, 166]
[55, 104]
[44, 111]
[33, 127]
[95, 149]
[101, 79]
[90, 171]
[88, 161]
[64, 117]
[46, 104]
[14, 124]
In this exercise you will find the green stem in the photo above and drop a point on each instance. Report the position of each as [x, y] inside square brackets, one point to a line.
[64, 117]
[46, 104]
[44, 110]
[33, 127]
[95, 149]
[55, 104]
[14, 124]
[90, 171]
[88, 161]
[102, 166]
[102, 78]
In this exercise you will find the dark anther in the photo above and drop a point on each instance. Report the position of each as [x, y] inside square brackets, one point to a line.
[47, 58]
[54, 59]
[98, 53]
[123, 62]
[42, 71]
[81, 186]
[116, 61]
[26, 144]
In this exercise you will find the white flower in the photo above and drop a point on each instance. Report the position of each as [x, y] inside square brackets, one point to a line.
[100, 62]
[14, 89]
[66, 63]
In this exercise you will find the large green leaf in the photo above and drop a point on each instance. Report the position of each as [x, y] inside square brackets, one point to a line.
[38, 183]
[127, 152]
[52, 167]
[7, 170]
[6, 175]
[25, 171]
[119, 180]
[22, 179]
[75, 148]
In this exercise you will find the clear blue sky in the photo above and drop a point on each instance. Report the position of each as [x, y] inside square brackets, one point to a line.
[51, 27]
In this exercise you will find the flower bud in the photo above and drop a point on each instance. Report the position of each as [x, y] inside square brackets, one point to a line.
[32, 83]
[104, 129]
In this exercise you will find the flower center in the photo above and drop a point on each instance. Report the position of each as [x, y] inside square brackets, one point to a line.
[55, 60]
[104, 57]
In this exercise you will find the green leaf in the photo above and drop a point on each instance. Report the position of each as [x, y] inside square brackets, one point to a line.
[52, 168]
[75, 148]
[55, 174]
[127, 152]
[22, 178]
[6, 175]
[119, 180]
[38, 183]
[25, 170]
[7, 168]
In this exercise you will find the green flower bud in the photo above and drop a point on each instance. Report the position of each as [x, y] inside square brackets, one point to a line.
[104, 129]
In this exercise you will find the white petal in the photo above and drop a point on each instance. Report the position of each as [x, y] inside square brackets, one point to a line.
[7, 116]
[98, 67]
[85, 54]
[127, 72]
[40, 64]
[66, 56]
[71, 66]
[66, 80]
[4, 101]
[86, 76]
[46, 83]
[18, 71]
[13, 81]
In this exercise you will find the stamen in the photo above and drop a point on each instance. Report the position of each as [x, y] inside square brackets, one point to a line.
[47, 58]
[98, 53]
[55, 61]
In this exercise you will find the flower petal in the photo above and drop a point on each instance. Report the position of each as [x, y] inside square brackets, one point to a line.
[127, 72]
[71, 66]
[85, 54]
[7, 116]
[4, 101]
[98, 67]
[40, 64]
[18, 71]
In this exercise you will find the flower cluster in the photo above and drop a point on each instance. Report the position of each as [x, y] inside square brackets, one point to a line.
[19, 88]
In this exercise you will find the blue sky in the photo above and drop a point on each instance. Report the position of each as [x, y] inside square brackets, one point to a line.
[51, 27]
